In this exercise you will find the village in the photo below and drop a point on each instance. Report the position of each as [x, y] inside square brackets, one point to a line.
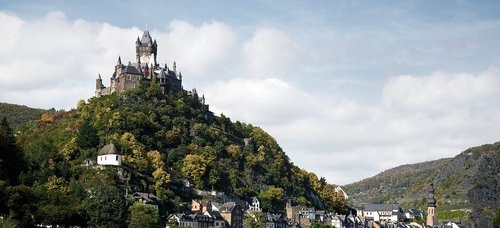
[219, 210]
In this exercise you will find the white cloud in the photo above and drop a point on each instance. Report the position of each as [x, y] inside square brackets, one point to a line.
[268, 101]
[272, 53]
[441, 90]
[53, 55]
[345, 141]
[197, 50]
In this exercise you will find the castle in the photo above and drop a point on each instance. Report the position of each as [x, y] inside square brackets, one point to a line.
[146, 68]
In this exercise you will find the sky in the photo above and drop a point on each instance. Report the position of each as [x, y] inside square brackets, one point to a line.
[347, 88]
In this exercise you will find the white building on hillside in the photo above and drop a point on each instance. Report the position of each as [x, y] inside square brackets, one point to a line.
[254, 205]
[381, 212]
[109, 155]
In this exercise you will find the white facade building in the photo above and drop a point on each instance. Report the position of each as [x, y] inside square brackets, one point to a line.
[254, 205]
[109, 155]
[381, 212]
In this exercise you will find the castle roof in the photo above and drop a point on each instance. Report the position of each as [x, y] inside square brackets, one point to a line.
[108, 149]
[146, 38]
[131, 70]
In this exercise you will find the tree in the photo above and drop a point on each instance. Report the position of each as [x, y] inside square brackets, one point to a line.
[11, 160]
[496, 219]
[194, 167]
[87, 136]
[104, 203]
[272, 199]
[143, 216]
[254, 219]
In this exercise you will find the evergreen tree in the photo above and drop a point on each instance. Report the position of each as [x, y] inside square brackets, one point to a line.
[87, 136]
[11, 162]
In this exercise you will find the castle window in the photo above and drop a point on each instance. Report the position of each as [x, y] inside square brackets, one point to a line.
[117, 157]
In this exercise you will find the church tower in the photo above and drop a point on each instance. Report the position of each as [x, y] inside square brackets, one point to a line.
[144, 48]
[431, 208]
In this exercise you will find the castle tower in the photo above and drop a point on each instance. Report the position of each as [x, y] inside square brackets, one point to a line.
[98, 86]
[144, 48]
[431, 208]
[118, 67]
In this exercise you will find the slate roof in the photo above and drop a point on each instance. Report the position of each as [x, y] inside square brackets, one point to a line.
[131, 70]
[147, 197]
[108, 149]
[381, 207]
[146, 38]
[229, 206]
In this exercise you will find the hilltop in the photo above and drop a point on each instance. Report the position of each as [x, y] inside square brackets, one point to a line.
[166, 140]
[18, 115]
[468, 182]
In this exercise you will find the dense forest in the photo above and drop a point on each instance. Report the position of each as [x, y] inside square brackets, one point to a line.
[467, 186]
[165, 140]
[18, 115]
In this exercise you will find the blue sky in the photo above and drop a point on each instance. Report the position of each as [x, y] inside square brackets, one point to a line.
[348, 88]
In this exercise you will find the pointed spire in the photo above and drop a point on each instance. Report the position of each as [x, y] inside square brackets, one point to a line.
[137, 42]
[99, 76]
[174, 67]
[119, 63]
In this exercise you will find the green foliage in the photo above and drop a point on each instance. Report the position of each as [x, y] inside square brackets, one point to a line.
[17, 115]
[143, 216]
[164, 140]
[254, 219]
[447, 215]
[87, 135]
[271, 199]
[104, 204]
[464, 181]
[11, 160]
[496, 219]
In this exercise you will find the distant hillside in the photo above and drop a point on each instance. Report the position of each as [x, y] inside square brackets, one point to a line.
[19, 114]
[471, 180]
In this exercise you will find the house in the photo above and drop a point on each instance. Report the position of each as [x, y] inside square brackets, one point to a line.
[233, 214]
[109, 155]
[381, 212]
[201, 206]
[174, 220]
[275, 221]
[219, 221]
[451, 225]
[412, 215]
[254, 205]
[145, 198]
[195, 220]
[201, 215]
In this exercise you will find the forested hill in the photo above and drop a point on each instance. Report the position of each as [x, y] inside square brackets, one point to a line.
[18, 115]
[164, 140]
[470, 180]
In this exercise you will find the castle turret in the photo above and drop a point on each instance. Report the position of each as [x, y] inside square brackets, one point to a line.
[431, 208]
[145, 47]
[118, 67]
[98, 86]
[174, 67]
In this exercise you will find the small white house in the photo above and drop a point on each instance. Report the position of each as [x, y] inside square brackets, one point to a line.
[255, 205]
[109, 155]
